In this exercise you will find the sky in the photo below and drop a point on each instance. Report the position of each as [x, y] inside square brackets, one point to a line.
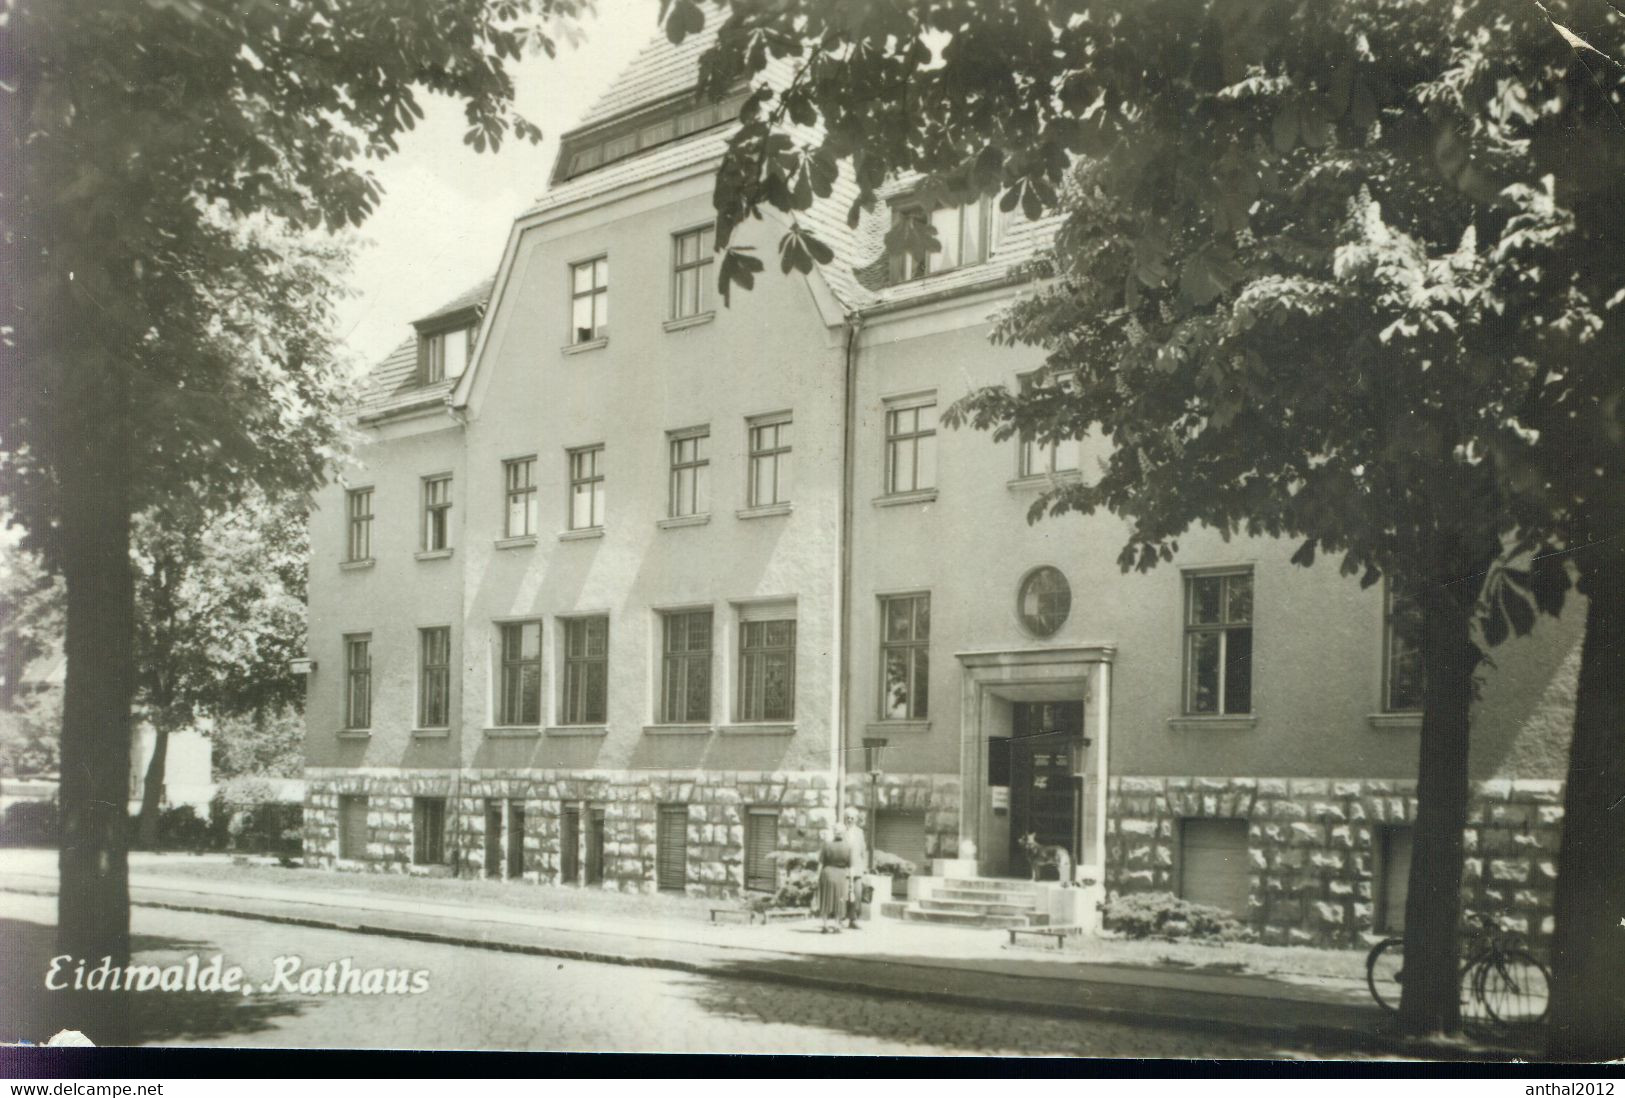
[447, 209]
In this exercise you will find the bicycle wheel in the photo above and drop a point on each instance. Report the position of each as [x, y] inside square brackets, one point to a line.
[1515, 988]
[1384, 971]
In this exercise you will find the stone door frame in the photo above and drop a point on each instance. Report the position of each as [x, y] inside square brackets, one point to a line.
[1059, 673]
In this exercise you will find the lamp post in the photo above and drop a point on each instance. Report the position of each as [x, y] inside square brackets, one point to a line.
[873, 748]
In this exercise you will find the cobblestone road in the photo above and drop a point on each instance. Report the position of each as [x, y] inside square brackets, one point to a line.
[486, 1000]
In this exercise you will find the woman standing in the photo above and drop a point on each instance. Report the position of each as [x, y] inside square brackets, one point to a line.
[834, 860]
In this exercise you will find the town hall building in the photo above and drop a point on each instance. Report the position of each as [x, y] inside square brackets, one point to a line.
[616, 597]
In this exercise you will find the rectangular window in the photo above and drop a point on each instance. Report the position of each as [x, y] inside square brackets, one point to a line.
[1219, 643]
[905, 661]
[436, 513]
[761, 841]
[685, 668]
[691, 273]
[962, 233]
[911, 445]
[358, 680]
[519, 682]
[589, 300]
[690, 473]
[1058, 457]
[447, 353]
[519, 487]
[767, 664]
[352, 826]
[586, 671]
[434, 677]
[428, 830]
[769, 460]
[1402, 662]
[358, 508]
[671, 847]
[587, 488]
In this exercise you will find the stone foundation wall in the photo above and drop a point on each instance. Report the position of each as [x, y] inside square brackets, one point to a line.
[717, 803]
[1313, 847]
[936, 796]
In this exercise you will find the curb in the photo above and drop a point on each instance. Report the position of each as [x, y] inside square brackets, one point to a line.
[1323, 1038]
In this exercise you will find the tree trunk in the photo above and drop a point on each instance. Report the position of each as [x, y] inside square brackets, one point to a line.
[93, 919]
[152, 786]
[1588, 950]
[1430, 1001]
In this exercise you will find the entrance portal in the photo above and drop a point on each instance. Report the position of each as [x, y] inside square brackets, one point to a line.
[1045, 790]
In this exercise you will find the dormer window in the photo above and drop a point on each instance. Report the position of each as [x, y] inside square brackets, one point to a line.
[666, 122]
[962, 232]
[445, 354]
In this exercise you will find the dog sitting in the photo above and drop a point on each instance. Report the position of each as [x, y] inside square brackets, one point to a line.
[1040, 855]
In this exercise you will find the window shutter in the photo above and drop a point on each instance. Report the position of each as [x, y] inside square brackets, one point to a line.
[761, 840]
[671, 843]
[423, 360]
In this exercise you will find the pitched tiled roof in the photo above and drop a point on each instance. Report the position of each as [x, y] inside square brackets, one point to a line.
[858, 274]
[392, 385]
[659, 72]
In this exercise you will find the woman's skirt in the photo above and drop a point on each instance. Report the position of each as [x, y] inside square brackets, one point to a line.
[831, 900]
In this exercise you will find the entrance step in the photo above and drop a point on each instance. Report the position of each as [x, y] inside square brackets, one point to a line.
[918, 914]
[975, 907]
[977, 901]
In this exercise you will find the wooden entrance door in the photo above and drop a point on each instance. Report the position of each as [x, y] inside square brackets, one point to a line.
[595, 846]
[1044, 794]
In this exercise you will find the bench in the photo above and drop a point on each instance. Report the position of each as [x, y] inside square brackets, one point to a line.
[1060, 934]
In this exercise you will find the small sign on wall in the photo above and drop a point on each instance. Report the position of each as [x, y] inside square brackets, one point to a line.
[1000, 797]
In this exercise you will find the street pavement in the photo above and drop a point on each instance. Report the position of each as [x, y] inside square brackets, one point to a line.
[483, 999]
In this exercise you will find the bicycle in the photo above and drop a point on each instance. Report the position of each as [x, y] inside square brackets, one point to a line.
[1498, 973]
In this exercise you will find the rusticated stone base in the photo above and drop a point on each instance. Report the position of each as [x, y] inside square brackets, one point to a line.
[936, 796]
[1313, 843]
[717, 803]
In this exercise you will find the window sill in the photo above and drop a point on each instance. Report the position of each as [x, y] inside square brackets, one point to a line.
[1039, 481]
[523, 541]
[512, 732]
[900, 499]
[589, 345]
[355, 734]
[1405, 722]
[877, 728]
[759, 728]
[432, 554]
[356, 565]
[767, 510]
[679, 323]
[683, 520]
[678, 729]
[582, 535]
[431, 733]
[1229, 722]
[577, 730]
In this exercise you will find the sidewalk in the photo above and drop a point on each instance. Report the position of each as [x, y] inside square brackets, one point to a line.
[886, 958]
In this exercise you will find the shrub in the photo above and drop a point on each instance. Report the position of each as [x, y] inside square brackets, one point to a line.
[29, 823]
[1164, 915]
[798, 878]
[181, 828]
[893, 866]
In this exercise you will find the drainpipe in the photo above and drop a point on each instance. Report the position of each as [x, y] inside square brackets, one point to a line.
[849, 430]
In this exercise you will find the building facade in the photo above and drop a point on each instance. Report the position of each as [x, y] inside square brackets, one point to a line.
[620, 603]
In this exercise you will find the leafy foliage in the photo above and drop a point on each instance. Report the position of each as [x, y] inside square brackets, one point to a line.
[1164, 915]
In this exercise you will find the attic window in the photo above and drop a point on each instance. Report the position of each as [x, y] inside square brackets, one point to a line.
[962, 232]
[445, 354]
[673, 121]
